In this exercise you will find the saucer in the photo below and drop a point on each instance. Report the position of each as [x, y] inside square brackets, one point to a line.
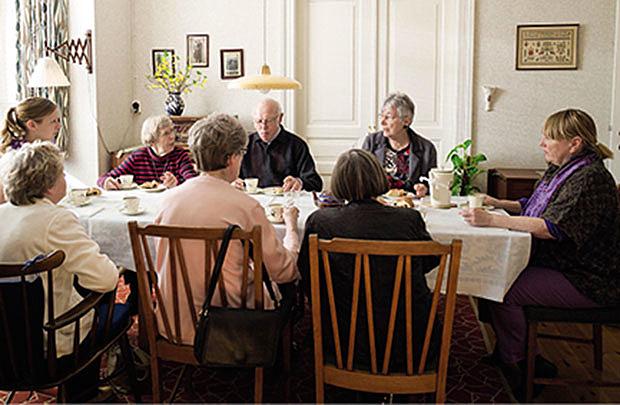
[273, 220]
[128, 187]
[427, 203]
[85, 202]
[140, 210]
[157, 189]
[275, 191]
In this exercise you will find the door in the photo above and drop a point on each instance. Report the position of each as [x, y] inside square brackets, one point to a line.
[353, 53]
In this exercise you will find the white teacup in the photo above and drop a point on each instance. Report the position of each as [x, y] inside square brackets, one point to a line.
[251, 185]
[78, 196]
[475, 200]
[276, 211]
[125, 180]
[131, 204]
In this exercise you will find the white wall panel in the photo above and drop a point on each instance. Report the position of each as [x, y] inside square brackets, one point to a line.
[332, 63]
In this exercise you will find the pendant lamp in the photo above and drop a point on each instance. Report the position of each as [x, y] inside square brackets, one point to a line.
[264, 81]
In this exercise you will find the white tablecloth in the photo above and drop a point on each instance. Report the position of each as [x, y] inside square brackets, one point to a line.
[491, 260]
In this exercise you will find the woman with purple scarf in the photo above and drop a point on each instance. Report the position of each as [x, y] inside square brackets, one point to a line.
[574, 220]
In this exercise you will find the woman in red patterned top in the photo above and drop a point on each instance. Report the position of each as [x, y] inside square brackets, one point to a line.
[160, 160]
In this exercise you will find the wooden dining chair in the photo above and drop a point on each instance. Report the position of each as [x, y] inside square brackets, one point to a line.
[28, 356]
[378, 378]
[169, 345]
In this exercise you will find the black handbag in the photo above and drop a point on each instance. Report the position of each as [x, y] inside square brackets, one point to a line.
[238, 337]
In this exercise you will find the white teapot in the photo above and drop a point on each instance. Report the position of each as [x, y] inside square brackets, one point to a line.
[439, 182]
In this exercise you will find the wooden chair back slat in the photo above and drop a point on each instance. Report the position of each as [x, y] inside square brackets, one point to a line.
[172, 345]
[409, 315]
[393, 311]
[432, 314]
[27, 327]
[208, 265]
[6, 327]
[403, 252]
[186, 281]
[354, 304]
[174, 281]
[244, 274]
[369, 315]
[332, 310]
[51, 338]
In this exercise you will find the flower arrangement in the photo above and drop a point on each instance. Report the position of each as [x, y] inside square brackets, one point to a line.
[465, 168]
[168, 77]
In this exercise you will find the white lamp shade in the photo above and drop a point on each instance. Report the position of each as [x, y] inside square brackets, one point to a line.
[265, 82]
[47, 73]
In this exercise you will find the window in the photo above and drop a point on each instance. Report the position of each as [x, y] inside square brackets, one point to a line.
[8, 38]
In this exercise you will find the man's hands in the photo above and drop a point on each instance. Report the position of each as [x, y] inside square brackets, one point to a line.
[292, 184]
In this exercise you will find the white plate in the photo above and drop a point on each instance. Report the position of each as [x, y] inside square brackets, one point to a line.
[128, 187]
[157, 189]
[141, 210]
[86, 202]
[272, 191]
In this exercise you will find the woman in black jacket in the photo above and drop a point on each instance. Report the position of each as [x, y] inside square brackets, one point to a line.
[358, 179]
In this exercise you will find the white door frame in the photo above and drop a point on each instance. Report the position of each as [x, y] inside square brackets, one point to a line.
[613, 139]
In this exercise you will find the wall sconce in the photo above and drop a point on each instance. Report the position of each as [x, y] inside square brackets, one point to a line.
[47, 72]
[488, 93]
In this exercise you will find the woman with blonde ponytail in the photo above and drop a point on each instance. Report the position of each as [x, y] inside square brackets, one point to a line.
[35, 118]
[574, 220]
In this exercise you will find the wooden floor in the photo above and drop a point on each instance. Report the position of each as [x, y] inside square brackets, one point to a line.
[575, 360]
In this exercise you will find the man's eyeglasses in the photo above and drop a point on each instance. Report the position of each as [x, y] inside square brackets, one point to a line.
[266, 121]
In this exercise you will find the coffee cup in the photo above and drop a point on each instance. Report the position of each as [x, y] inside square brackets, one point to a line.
[125, 180]
[276, 211]
[78, 196]
[475, 200]
[251, 185]
[131, 204]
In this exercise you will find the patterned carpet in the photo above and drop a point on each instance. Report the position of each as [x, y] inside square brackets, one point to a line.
[469, 380]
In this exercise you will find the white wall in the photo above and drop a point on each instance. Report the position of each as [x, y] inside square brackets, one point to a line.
[509, 134]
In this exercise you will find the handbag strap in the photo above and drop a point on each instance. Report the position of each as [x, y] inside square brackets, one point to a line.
[217, 268]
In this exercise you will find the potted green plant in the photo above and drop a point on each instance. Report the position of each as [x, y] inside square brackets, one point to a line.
[464, 168]
[175, 81]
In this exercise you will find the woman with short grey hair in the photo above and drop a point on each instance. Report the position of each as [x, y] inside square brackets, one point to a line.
[405, 155]
[160, 161]
[33, 224]
[209, 200]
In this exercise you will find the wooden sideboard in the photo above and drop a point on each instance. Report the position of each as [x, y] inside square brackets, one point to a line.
[512, 184]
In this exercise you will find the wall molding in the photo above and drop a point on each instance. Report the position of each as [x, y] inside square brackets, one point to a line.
[466, 18]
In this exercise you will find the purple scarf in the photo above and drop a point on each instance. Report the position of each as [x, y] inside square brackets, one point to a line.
[541, 197]
[17, 143]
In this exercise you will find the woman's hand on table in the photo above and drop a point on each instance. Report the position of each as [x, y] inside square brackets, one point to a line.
[238, 184]
[291, 183]
[476, 216]
[420, 190]
[111, 184]
[169, 180]
[492, 201]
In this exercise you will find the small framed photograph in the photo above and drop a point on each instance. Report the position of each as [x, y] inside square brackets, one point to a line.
[161, 55]
[547, 46]
[198, 50]
[231, 63]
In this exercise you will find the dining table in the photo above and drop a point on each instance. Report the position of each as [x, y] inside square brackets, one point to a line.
[491, 259]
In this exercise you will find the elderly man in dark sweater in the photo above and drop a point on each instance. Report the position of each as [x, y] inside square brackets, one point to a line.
[276, 156]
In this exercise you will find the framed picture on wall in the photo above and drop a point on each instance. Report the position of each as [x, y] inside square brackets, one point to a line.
[231, 61]
[198, 50]
[161, 55]
[547, 46]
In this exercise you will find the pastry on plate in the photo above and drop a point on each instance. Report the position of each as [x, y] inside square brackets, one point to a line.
[406, 202]
[396, 192]
[149, 185]
[93, 192]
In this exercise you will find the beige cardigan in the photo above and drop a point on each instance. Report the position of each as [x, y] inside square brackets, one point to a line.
[30, 230]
